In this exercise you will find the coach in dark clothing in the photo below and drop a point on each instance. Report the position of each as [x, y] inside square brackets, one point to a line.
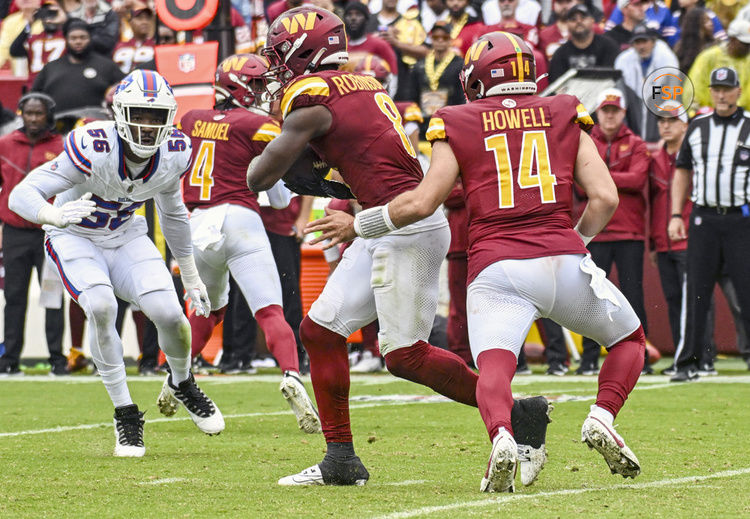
[716, 152]
[23, 242]
[80, 77]
[584, 49]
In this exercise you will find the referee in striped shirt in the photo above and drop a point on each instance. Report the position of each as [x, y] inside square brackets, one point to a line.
[715, 155]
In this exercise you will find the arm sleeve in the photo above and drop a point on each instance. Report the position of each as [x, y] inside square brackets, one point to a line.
[18, 47]
[41, 184]
[173, 216]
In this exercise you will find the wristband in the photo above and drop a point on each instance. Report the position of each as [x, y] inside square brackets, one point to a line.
[374, 222]
[332, 254]
[677, 215]
[586, 239]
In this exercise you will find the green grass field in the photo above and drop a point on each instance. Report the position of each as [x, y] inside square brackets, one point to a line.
[426, 456]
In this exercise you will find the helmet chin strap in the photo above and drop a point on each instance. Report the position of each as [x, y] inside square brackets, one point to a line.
[314, 62]
[296, 45]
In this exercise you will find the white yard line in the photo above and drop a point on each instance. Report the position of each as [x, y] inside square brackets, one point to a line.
[65, 428]
[163, 481]
[509, 498]
[404, 483]
[555, 396]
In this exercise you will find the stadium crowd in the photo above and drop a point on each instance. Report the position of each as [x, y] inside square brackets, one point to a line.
[74, 53]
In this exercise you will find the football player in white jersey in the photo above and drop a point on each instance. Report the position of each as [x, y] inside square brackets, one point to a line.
[106, 171]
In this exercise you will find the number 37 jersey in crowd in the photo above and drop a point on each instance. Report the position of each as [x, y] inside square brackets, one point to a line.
[517, 155]
[93, 161]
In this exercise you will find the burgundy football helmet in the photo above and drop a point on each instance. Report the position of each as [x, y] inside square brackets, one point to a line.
[372, 65]
[302, 39]
[498, 63]
[242, 79]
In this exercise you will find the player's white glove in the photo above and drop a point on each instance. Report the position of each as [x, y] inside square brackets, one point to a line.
[69, 213]
[195, 290]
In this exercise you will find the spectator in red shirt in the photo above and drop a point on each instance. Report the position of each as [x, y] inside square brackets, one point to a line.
[356, 16]
[23, 242]
[622, 241]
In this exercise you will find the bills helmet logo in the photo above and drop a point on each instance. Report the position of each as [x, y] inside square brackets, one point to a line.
[186, 63]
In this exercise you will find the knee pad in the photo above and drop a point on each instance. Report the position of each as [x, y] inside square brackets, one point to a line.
[99, 304]
[162, 308]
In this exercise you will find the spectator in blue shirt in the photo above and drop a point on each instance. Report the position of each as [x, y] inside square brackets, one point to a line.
[658, 18]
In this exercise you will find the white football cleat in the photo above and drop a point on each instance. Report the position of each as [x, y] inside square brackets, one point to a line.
[309, 476]
[501, 469]
[529, 419]
[368, 363]
[296, 394]
[346, 472]
[201, 409]
[531, 462]
[129, 432]
[602, 437]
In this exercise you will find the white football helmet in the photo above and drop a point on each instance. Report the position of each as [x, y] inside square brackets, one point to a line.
[143, 89]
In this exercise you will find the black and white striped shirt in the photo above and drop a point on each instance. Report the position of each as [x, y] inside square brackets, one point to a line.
[717, 149]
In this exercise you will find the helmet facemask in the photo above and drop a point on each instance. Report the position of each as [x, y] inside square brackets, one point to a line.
[255, 93]
[278, 56]
[144, 128]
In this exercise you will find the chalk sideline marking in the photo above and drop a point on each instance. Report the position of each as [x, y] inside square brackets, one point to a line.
[509, 498]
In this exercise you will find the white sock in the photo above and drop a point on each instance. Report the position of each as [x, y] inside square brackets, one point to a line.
[602, 414]
[115, 382]
[180, 368]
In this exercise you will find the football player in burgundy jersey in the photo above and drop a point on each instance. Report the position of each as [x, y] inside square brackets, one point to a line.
[228, 234]
[411, 114]
[518, 156]
[352, 123]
